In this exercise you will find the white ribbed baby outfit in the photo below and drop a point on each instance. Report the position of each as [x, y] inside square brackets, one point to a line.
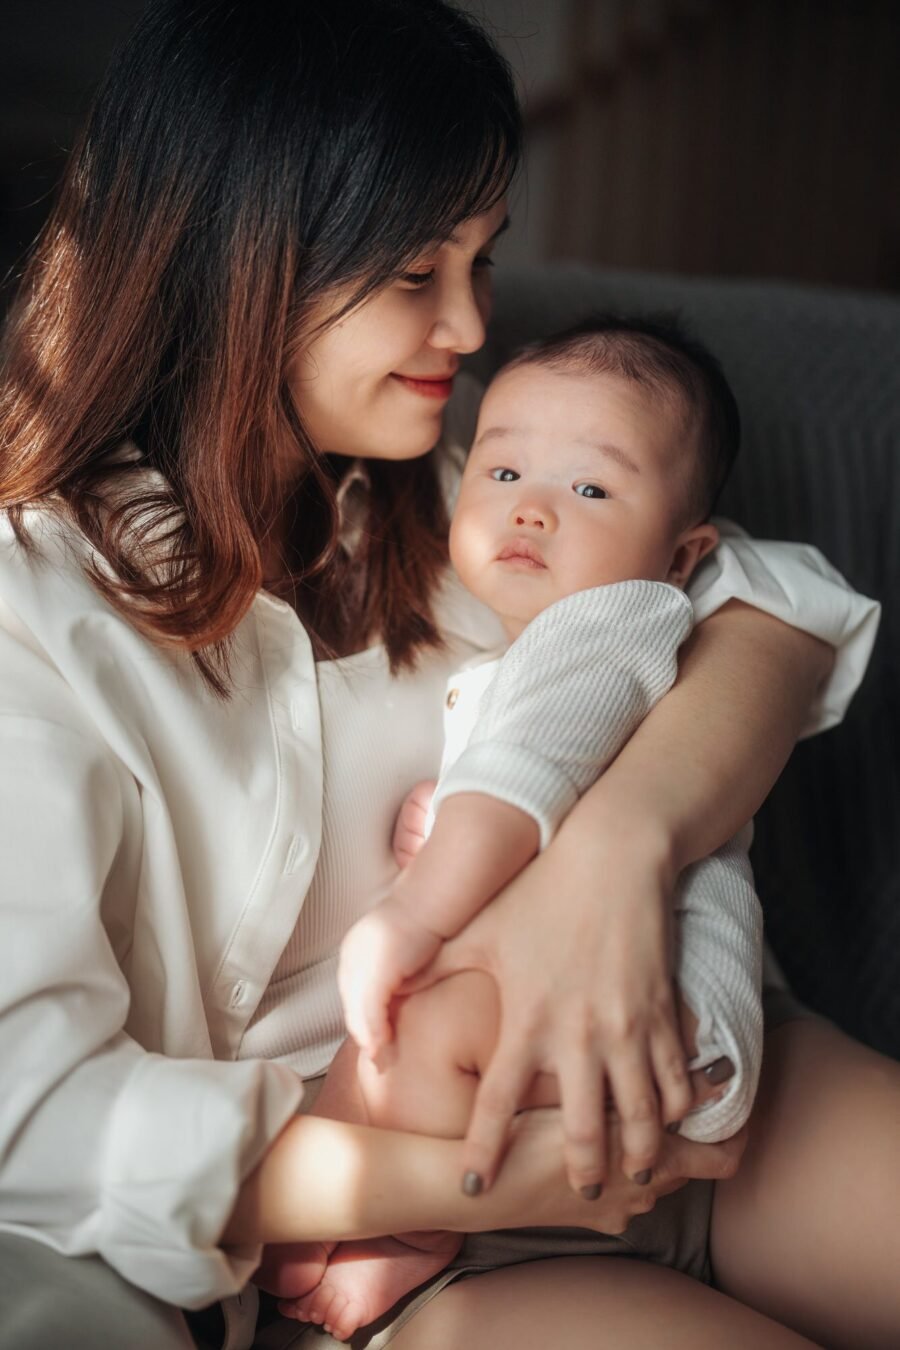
[537, 725]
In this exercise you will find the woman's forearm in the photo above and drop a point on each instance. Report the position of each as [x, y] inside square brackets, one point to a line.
[707, 755]
[325, 1179]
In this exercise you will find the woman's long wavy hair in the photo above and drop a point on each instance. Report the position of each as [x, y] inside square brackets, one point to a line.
[241, 161]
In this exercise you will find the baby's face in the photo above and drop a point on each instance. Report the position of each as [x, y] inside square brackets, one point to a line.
[573, 481]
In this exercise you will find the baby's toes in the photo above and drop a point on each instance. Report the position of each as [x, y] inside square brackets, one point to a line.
[294, 1308]
[343, 1316]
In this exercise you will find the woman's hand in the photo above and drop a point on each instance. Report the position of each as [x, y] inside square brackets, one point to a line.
[533, 1186]
[580, 948]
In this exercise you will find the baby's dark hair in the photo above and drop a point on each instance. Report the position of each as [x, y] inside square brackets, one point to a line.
[658, 353]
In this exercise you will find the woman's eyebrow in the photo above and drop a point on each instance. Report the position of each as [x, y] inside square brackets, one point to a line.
[501, 229]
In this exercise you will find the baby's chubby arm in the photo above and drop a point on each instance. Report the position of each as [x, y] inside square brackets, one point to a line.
[478, 844]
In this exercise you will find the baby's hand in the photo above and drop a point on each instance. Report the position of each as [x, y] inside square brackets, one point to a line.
[409, 831]
[384, 948]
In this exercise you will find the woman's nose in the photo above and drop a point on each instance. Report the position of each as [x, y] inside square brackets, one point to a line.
[460, 324]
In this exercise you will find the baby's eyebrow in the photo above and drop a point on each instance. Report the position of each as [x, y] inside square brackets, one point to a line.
[613, 452]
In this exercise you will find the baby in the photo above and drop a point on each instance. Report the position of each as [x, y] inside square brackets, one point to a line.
[582, 512]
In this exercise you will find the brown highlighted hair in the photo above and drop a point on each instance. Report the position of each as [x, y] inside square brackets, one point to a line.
[241, 162]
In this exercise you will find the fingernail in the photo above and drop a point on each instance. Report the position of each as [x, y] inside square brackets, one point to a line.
[592, 1192]
[643, 1178]
[719, 1071]
[673, 1127]
[472, 1183]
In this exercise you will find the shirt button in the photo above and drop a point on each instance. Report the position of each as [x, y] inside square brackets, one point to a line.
[237, 995]
[452, 697]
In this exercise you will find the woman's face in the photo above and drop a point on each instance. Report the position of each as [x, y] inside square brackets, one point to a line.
[375, 384]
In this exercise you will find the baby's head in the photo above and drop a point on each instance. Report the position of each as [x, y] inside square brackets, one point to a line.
[598, 457]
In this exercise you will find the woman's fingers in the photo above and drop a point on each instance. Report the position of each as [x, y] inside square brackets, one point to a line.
[667, 1057]
[500, 1093]
[709, 1084]
[637, 1104]
[682, 1158]
[581, 1090]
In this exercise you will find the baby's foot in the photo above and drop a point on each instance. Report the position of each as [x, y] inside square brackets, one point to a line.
[365, 1279]
[292, 1269]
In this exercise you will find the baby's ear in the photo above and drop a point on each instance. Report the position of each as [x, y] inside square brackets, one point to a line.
[692, 545]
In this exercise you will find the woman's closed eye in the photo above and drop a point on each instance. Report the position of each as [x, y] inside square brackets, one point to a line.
[417, 279]
[590, 490]
[505, 475]
[422, 278]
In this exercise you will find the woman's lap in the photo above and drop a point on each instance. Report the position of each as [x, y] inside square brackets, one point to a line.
[807, 1231]
[80, 1303]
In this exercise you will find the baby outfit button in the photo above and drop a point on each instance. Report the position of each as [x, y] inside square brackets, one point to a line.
[452, 696]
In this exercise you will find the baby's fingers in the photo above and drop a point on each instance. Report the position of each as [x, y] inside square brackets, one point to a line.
[365, 1010]
[499, 1096]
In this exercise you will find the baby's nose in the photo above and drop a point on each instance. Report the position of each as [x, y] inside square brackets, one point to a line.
[531, 516]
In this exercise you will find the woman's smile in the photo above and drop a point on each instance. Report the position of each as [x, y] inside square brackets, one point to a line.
[427, 386]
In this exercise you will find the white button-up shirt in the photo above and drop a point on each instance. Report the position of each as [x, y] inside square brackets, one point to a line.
[156, 844]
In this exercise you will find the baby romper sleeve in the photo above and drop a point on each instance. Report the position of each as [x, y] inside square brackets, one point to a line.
[794, 583]
[567, 695]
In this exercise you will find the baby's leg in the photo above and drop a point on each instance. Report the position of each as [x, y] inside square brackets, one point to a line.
[425, 1083]
[291, 1269]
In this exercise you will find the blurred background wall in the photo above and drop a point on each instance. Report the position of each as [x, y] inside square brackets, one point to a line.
[729, 137]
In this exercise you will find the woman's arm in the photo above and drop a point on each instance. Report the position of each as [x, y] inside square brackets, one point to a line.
[325, 1179]
[580, 943]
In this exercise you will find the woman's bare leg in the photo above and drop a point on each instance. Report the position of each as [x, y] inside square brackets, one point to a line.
[589, 1303]
[808, 1230]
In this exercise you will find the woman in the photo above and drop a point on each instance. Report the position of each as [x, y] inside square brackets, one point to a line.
[271, 251]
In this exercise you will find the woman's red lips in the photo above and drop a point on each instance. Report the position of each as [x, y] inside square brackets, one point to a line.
[523, 552]
[429, 386]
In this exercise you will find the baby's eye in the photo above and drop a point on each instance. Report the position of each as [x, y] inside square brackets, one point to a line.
[590, 490]
[505, 475]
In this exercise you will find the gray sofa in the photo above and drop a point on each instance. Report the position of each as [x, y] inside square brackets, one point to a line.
[817, 376]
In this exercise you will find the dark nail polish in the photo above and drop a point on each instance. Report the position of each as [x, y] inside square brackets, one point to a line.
[472, 1183]
[673, 1127]
[719, 1071]
[643, 1178]
[592, 1192]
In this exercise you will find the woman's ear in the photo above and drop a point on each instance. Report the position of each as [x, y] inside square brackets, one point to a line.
[692, 545]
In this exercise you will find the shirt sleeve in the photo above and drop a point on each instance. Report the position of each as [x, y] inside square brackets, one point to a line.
[794, 583]
[567, 695]
[104, 1147]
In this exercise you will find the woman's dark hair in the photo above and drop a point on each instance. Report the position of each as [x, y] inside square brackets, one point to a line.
[239, 162]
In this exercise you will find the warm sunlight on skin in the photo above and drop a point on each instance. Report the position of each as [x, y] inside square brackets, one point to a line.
[376, 384]
[574, 481]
